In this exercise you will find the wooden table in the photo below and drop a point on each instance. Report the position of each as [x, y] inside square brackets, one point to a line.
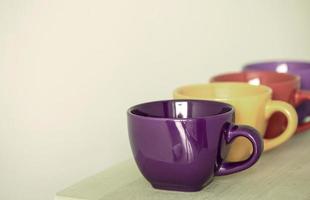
[283, 173]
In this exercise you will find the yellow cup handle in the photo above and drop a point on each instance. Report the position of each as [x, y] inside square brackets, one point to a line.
[291, 115]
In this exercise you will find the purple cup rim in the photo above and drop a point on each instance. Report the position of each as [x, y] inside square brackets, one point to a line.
[207, 102]
[259, 64]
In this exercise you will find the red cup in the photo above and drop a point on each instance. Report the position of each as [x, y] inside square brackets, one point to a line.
[285, 87]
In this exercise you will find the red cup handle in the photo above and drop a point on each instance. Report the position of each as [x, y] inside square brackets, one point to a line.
[300, 97]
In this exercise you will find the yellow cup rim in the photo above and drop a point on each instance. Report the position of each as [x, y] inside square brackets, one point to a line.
[265, 90]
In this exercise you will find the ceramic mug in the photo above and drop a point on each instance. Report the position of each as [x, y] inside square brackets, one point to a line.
[298, 68]
[181, 144]
[285, 87]
[253, 107]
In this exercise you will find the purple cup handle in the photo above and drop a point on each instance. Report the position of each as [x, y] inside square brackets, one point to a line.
[300, 97]
[257, 144]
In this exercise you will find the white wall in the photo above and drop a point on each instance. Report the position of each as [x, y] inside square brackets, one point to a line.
[70, 69]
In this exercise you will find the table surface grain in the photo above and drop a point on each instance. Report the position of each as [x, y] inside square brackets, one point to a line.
[282, 173]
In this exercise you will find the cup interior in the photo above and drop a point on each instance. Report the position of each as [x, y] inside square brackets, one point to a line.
[220, 91]
[184, 109]
[279, 66]
[257, 77]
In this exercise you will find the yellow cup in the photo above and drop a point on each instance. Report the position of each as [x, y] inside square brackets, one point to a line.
[253, 106]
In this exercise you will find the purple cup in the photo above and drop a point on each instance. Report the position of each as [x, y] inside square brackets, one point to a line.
[299, 68]
[181, 144]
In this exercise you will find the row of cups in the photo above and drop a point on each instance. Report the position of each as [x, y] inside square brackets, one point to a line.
[219, 128]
